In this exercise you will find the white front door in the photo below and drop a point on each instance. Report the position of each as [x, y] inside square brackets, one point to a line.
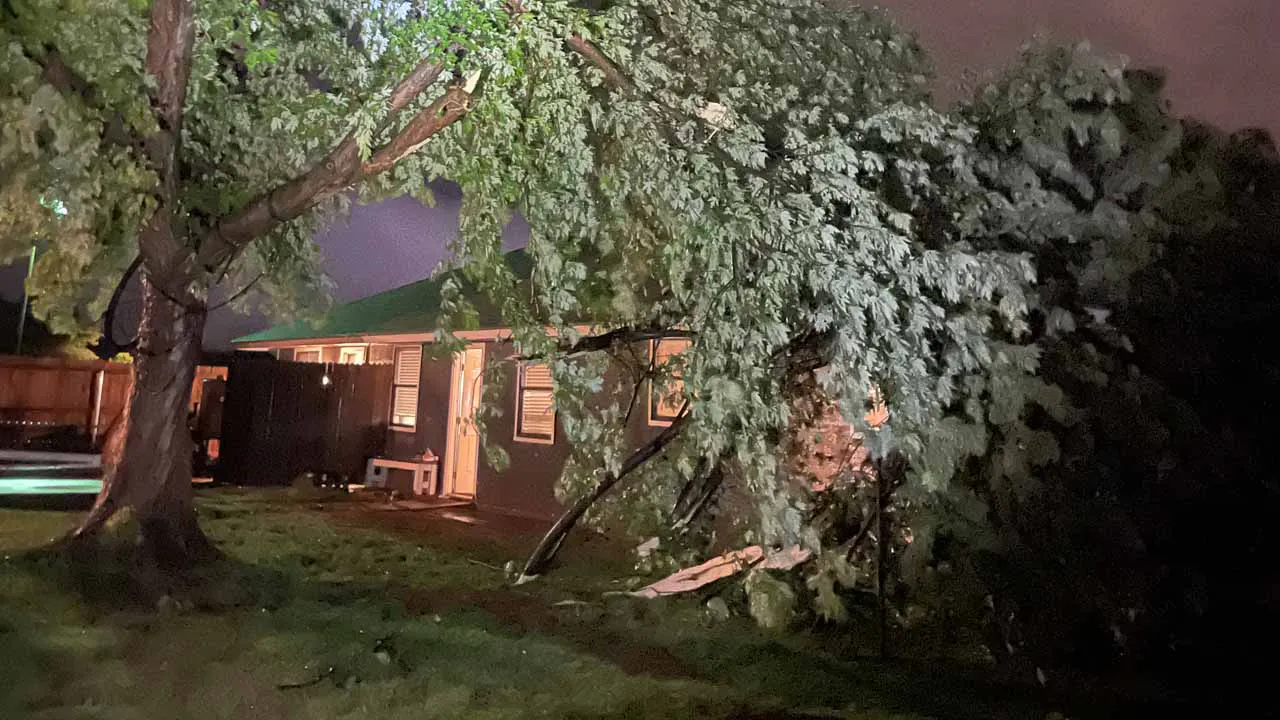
[462, 455]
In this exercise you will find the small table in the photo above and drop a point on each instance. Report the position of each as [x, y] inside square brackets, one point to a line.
[424, 471]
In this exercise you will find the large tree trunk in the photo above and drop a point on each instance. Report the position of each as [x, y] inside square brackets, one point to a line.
[147, 460]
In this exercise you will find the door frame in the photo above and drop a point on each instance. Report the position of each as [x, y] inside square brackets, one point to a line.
[457, 376]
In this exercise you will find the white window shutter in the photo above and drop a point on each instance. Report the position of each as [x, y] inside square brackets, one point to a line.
[404, 394]
[404, 405]
[537, 413]
[408, 366]
[537, 409]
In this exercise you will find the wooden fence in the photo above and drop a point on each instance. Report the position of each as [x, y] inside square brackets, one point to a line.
[68, 404]
[281, 419]
[74, 401]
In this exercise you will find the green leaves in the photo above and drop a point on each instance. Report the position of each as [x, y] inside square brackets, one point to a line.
[824, 213]
[835, 202]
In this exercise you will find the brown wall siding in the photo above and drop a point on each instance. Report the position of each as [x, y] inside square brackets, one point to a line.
[527, 485]
[433, 413]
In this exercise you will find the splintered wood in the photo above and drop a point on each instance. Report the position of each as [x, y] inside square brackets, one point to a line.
[723, 566]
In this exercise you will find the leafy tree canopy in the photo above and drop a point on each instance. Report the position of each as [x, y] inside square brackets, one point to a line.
[767, 175]
[767, 178]
[770, 179]
[273, 88]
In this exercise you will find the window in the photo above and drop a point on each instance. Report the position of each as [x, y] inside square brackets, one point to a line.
[665, 401]
[308, 355]
[404, 391]
[351, 355]
[535, 405]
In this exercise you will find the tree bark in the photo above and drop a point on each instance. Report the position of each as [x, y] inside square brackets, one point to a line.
[147, 459]
[148, 470]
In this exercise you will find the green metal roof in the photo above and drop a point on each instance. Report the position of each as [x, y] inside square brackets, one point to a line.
[410, 308]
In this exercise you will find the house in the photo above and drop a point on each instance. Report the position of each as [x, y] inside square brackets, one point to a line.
[433, 398]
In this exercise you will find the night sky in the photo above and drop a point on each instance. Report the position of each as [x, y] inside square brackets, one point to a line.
[1222, 59]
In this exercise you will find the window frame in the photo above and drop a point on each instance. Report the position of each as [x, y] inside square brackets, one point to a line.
[521, 386]
[653, 417]
[363, 351]
[318, 350]
[396, 385]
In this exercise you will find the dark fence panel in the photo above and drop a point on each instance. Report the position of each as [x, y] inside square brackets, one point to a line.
[280, 419]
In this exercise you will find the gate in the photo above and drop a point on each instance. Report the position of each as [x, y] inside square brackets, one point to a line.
[280, 419]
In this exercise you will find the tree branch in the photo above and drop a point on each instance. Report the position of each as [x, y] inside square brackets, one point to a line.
[431, 120]
[239, 293]
[339, 169]
[414, 84]
[592, 54]
[689, 507]
[551, 542]
[615, 338]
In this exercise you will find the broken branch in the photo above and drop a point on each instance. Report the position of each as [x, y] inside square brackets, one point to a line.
[550, 544]
[340, 168]
[614, 339]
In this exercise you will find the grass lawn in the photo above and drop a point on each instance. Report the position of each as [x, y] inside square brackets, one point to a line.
[344, 620]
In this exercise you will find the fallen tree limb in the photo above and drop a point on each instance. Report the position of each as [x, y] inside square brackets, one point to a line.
[550, 544]
[717, 568]
[723, 566]
[612, 339]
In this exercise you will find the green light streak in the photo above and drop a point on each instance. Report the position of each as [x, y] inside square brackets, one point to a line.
[49, 486]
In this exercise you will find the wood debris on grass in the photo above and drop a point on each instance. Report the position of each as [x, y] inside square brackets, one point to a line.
[723, 566]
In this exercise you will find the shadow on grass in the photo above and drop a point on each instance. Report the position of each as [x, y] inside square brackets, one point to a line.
[644, 638]
[305, 619]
